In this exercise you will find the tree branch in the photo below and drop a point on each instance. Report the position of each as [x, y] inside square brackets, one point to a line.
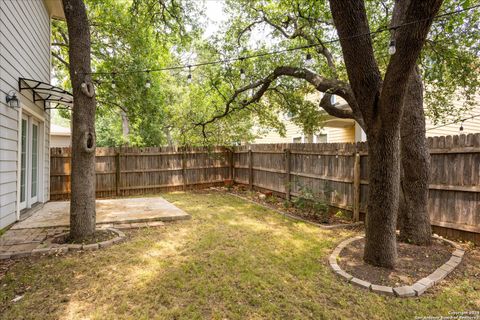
[59, 58]
[325, 85]
[364, 75]
[410, 38]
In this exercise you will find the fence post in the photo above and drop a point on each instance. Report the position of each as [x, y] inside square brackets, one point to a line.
[184, 169]
[117, 174]
[231, 173]
[250, 169]
[288, 186]
[356, 188]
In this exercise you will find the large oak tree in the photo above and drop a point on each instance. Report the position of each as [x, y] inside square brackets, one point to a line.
[82, 203]
[381, 103]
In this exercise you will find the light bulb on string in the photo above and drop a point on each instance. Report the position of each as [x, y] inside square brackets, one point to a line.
[392, 45]
[189, 77]
[309, 60]
[391, 48]
[242, 74]
[148, 84]
[114, 85]
[461, 126]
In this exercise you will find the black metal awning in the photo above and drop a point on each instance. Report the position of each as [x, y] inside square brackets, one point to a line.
[46, 92]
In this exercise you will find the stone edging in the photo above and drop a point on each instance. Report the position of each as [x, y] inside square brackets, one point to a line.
[417, 289]
[292, 217]
[64, 248]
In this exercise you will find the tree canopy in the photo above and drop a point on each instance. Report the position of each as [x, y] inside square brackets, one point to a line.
[130, 36]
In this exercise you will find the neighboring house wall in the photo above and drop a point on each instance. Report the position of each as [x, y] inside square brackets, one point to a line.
[353, 132]
[294, 133]
[24, 52]
[340, 135]
[469, 125]
[57, 141]
[60, 137]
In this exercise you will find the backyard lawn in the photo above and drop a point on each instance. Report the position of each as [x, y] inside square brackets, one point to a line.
[232, 260]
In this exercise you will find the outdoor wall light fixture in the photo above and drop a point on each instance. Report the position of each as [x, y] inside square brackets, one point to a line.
[12, 99]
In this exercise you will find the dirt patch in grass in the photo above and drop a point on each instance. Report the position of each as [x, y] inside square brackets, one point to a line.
[4, 266]
[98, 236]
[413, 263]
[333, 217]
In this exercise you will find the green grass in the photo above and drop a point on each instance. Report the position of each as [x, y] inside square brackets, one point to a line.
[232, 260]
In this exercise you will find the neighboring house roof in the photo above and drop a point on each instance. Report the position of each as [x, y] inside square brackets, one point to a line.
[55, 9]
[56, 130]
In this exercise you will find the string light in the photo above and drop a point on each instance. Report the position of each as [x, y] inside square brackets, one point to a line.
[114, 85]
[189, 77]
[242, 74]
[148, 84]
[263, 54]
[461, 126]
[309, 60]
[391, 47]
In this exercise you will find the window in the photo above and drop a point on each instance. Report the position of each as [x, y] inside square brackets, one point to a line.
[321, 138]
[297, 140]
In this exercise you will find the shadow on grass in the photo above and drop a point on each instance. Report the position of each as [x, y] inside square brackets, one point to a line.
[233, 260]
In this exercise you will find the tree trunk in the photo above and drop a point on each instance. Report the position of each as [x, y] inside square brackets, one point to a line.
[383, 196]
[82, 204]
[413, 219]
[125, 126]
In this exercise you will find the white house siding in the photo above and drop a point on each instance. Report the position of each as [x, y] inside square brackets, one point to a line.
[24, 52]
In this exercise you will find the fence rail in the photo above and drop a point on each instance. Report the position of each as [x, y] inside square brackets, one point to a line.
[134, 171]
[340, 171]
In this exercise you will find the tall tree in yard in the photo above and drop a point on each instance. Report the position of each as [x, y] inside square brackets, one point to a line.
[381, 103]
[82, 204]
[311, 23]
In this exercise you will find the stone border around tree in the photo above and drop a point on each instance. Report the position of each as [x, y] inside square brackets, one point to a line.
[415, 290]
[53, 248]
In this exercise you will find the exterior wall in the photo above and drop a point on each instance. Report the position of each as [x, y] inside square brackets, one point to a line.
[469, 126]
[353, 133]
[58, 141]
[24, 52]
[334, 135]
[341, 135]
[292, 131]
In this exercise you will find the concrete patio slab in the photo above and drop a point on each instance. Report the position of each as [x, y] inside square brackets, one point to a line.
[109, 211]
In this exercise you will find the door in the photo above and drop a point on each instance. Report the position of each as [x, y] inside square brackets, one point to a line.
[23, 163]
[29, 162]
[33, 162]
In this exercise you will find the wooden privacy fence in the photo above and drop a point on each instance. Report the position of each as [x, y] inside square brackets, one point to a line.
[339, 171]
[135, 171]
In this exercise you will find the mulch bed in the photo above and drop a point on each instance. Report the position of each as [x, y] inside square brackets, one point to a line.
[413, 263]
[98, 236]
[280, 204]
